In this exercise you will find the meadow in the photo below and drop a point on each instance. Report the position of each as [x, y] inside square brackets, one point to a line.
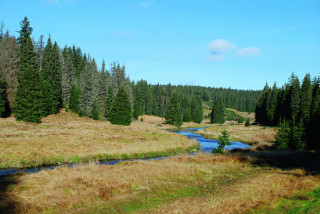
[68, 138]
[204, 183]
[251, 181]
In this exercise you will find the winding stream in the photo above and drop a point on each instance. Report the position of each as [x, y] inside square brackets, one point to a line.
[206, 145]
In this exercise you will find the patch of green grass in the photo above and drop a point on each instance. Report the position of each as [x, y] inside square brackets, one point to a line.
[299, 204]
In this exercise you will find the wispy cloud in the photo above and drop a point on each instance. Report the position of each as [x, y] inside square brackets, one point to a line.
[220, 48]
[250, 51]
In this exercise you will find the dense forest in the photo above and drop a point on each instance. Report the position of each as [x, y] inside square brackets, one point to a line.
[295, 107]
[38, 79]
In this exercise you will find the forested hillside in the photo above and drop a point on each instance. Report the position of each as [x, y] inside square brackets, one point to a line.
[38, 78]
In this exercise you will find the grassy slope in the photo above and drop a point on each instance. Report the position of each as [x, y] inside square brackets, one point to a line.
[68, 138]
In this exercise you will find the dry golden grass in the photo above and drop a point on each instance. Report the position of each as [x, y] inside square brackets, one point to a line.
[66, 137]
[204, 183]
[258, 136]
[265, 188]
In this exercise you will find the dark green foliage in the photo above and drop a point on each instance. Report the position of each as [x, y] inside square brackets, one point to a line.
[231, 115]
[298, 106]
[74, 102]
[102, 90]
[247, 122]
[109, 102]
[95, 112]
[173, 114]
[312, 129]
[217, 114]
[223, 141]
[120, 113]
[51, 74]
[67, 77]
[240, 120]
[290, 136]
[3, 97]
[196, 109]
[306, 98]
[29, 99]
[261, 106]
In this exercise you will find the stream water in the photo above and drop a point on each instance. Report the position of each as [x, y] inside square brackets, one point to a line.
[206, 145]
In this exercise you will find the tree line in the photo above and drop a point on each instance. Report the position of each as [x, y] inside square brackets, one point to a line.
[295, 107]
[38, 79]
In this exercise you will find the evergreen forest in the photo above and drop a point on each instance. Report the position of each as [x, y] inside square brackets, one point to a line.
[38, 78]
[295, 108]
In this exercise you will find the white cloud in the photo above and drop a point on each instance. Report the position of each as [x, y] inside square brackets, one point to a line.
[220, 46]
[249, 51]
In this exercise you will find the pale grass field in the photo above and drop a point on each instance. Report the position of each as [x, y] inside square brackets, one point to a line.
[66, 137]
[204, 183]
[258, 136]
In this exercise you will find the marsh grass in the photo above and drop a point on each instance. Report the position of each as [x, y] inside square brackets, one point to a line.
[68, 138]
[204, 183]
[257, 136]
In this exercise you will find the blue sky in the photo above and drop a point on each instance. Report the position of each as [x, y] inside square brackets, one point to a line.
[239, 44]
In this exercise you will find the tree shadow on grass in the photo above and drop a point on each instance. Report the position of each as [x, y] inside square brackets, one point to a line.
[7, 202]
[286, 160]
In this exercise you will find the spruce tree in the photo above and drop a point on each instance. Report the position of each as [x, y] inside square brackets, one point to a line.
[217, 114]
[51, 74]
[3, 97]
[247, 122]
[173, 113]
[67, 77]
[196, 109]
[29, 97]
[75, 95]
[120, 113]
[109, 102]
[9, 68]
[306, 98]
[95, 111]
[102, 90]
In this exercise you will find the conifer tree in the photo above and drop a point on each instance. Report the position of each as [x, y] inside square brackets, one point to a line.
[51, 75]
[102, 90]
[217, 114]
[196, 109]
[95, 111]
[67, 77]
[173, 113]
[120, 113]
[29, 95]
[294, 96]
[75, 95]
[109, 102]
[247, 122]
[306, 98]
[9, 68]
[3, 97]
